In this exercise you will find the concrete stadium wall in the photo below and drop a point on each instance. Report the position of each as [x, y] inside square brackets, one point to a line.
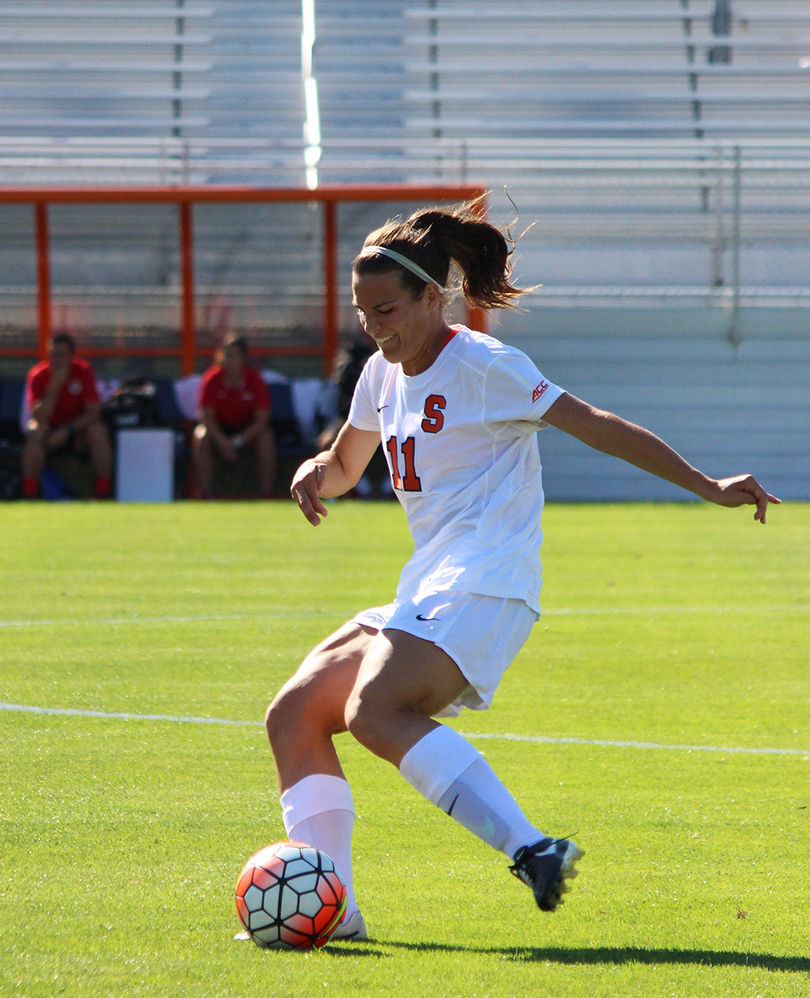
[728, 409]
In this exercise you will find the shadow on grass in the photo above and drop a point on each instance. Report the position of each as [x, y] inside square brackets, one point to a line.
[619, 955]
[355, 949]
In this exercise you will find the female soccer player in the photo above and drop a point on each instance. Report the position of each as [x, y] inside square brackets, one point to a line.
[457, 412]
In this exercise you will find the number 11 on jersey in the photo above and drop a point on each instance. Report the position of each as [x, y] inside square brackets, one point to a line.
[411, 482]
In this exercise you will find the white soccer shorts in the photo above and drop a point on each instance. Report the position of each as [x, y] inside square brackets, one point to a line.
[482, 634]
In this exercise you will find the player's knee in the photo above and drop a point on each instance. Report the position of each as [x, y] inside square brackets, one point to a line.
[283, 716]
[35, 434]
[97, 435]
[296, 710]
[368, 723]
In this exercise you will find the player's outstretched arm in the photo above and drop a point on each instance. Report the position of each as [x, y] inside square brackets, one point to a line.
[333, 472]
[613, 435]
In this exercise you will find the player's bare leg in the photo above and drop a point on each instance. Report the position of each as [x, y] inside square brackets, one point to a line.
[33, 456]
[203, 453]
[98, 444]
[402, 682]
[301, 722]
[309, 709]
[265, 444]
[95, 441]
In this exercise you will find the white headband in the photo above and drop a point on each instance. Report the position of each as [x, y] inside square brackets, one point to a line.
[404, 262]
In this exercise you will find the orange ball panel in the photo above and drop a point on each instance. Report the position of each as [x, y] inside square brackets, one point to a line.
[293, 938]
[300, 923]
[263, 878]
[325, 917]
[245, 880]
[330, 888]
[242, 912]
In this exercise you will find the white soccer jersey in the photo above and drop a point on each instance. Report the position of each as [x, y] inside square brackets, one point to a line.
[461, 449]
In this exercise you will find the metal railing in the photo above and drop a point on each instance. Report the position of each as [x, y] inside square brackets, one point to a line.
[722, 197]
[186, 347]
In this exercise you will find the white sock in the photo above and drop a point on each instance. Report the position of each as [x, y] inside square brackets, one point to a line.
[319, 810]
[453, 774]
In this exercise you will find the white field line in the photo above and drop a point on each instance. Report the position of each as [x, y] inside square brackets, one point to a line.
[125, 716]
[534, 739]
[541, 739]
[561, 612]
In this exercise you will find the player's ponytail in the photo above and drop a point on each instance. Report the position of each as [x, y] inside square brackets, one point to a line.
[432, 238]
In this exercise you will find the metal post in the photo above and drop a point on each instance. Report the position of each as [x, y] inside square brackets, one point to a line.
[188, 342]
[734, 331]
[719, 231]
[43, 277]
[330, 266]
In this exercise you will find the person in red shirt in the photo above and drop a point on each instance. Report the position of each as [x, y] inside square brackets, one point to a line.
[235, 409]
[64, 411]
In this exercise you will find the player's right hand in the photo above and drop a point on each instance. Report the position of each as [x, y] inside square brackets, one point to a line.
[305, 489]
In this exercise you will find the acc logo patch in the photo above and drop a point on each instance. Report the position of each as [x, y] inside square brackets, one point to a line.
[75, 387]
[539, 391]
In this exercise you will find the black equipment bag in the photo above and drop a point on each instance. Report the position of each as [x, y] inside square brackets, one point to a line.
[133, 404]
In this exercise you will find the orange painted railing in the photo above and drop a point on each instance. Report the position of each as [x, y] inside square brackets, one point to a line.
[185, 198]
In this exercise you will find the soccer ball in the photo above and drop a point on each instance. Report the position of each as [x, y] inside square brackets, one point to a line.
[289, 896]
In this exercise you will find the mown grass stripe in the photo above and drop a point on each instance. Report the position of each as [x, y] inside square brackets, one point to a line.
[174, 619]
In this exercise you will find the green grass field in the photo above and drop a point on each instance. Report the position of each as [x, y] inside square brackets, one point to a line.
[665, 625]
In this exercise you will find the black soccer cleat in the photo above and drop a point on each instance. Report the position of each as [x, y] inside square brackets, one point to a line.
[545, 866]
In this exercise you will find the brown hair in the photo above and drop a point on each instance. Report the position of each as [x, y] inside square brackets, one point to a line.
[232, 340]
[435, 237]
[66, 339]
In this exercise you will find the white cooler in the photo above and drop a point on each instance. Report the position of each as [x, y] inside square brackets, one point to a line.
[145, 466]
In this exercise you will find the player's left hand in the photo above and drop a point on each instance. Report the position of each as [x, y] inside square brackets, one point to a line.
[744, 490]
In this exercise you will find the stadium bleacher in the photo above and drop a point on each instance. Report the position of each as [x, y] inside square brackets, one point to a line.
[113, 91]
[662, 147]
[624, 70]
[102, 69]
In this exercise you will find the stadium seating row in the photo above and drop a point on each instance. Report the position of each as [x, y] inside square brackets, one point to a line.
[299, 408]
[615, 126]
[194, 92]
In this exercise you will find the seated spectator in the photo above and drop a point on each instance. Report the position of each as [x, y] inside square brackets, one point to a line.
[235, 411]
[64, 414]
[348, 368]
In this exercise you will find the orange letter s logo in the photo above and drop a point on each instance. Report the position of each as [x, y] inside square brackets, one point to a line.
[434, 417]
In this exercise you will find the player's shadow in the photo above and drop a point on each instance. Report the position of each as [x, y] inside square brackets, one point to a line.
[353, 949]
[614, 955]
